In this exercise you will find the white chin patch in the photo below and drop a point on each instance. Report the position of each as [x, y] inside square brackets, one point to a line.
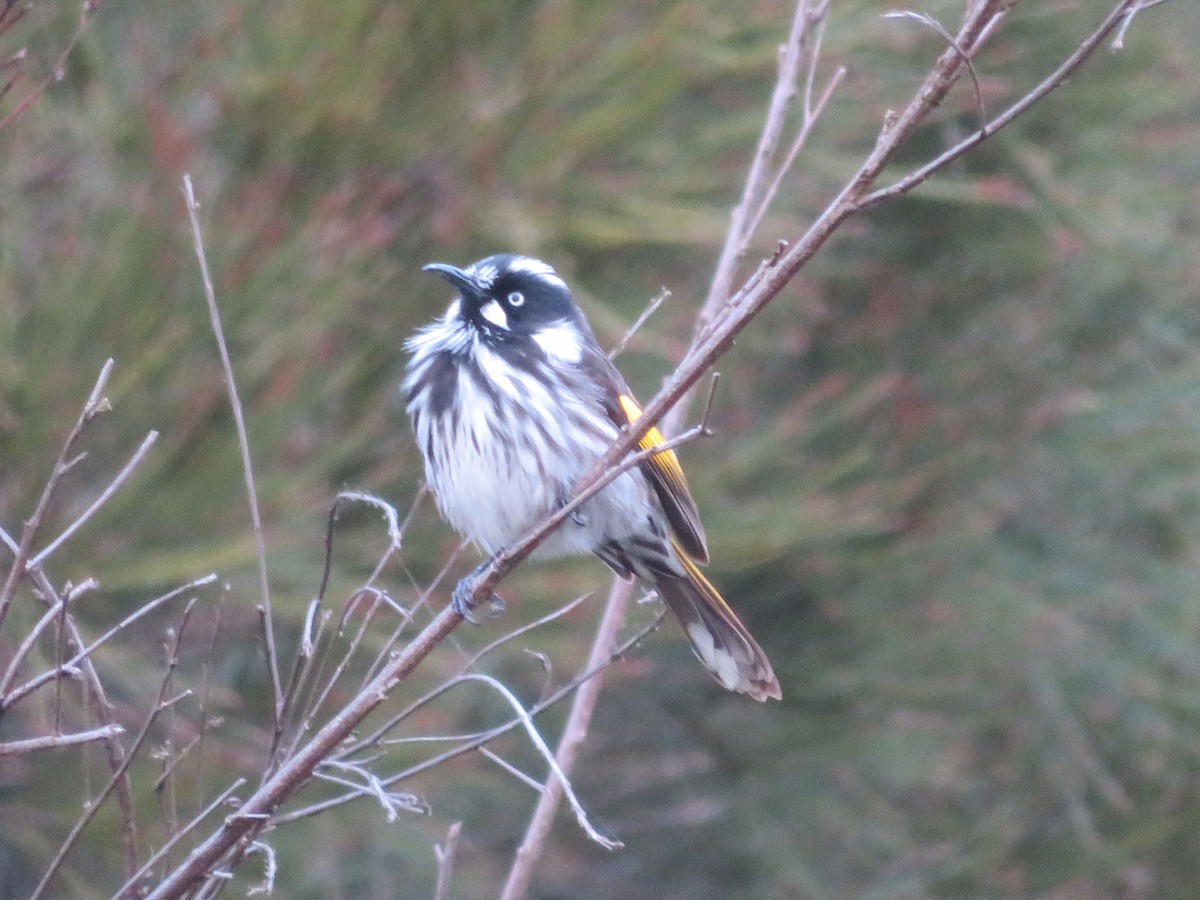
[494, 313]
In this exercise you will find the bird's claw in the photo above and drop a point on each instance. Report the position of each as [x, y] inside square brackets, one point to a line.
[462, 601]
[576, 515]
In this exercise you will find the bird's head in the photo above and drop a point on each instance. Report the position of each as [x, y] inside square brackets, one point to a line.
[506, 296]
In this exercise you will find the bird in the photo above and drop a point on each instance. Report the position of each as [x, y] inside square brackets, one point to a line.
[511, 401]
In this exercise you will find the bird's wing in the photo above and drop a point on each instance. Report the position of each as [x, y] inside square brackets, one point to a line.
[662, 468]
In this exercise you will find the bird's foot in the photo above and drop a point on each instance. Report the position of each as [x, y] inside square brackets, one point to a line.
[462, 599]
[577, 515]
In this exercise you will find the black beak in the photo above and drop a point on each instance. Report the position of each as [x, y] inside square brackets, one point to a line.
[456, 276]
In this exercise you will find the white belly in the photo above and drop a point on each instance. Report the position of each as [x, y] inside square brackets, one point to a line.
[498, 471]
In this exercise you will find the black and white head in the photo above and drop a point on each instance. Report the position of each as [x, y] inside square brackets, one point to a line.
[507, 298]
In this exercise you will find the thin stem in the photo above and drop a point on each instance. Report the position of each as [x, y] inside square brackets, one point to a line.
[114, 486]
[445, 860]
[193, 208]
[94, 404]
[651, 309]
[574, 733]
[1120, 14]
[187, 829]
[53, 741]
[163, 703]
[87, 650]
[298, 769]
[56, 73]
[474, 743]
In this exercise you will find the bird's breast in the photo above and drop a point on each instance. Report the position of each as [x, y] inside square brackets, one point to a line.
[503, 443]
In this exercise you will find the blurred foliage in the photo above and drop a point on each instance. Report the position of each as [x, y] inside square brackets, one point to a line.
[954, 488]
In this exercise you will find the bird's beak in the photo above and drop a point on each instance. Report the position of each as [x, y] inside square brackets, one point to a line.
[456, 276]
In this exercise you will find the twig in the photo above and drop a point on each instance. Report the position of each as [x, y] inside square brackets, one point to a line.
[445, 860]
[1121, 13]
[163, 703]
[270, 867]
[204, 696]
[11, 14]
[318, 701]
[377, 735]
[302, 668]
[527, 780]
[164, 786]
[114, 486]
[42, 624]
[536, 738]
[87, 650]
[738, 234]
[235, 404]
[56, 73]
[52, 741]
[930, 22]
[525, 629]
[810, 120]
[95, 404]
[374, 787]
[298, 769]
[474, 742]
[97, 698]
[574, 732]
[651, 309]
[169, 845]
[1127, 20]
[7, 540]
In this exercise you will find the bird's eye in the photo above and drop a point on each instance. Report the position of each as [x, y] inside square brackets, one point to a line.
[516, 298]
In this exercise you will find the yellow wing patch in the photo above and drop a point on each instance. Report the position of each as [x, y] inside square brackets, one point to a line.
[666, 475]
[666, 462]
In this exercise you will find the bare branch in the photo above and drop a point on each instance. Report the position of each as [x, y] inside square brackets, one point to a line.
[7, 540]
[114, 486]
[270, 867]
[26, 646]
[651, 309]
[445, 859]
[114, 751]
[299, 768]
[536, 738]
[166, 848]
[574, 732]
[86, 651]
[52, 741]
[1118, 42]
[1122, 13]
[164, 703]
[373, 786]
[930, 22]
[56, 73]
[239, 420]
[474, 742]
[512, 770]
[95, 404]
[525, 629]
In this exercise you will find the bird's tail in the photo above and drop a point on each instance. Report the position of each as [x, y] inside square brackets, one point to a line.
[718, 638]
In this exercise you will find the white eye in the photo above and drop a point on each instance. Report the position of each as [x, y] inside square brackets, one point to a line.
[516, 298]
